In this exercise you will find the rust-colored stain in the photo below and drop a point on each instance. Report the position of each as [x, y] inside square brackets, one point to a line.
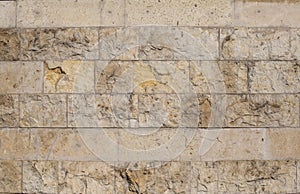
[273, 1]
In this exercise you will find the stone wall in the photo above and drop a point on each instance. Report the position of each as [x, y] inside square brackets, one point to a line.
[149, 96]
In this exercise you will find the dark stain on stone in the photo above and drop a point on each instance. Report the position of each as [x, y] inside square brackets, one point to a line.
[6, 101]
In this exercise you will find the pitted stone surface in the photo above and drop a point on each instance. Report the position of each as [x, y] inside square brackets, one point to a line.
[9, 110]
[9, 45]
[10, 176]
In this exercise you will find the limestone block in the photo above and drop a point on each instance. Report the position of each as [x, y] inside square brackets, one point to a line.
[9, 110]
[255, 44]
[267, 13]
[283, 143]
[262, 111]
[18, 77]
[112, 13]
[295, 43]
[69, 77]
[43, 111]
[228, 177]
[59, 43]
[182, 13]
[86, 177]
[40, 176]
[8, 14]
[68, 13]
[10, 176]
[274, 77]
[229, 77]
[9, 45]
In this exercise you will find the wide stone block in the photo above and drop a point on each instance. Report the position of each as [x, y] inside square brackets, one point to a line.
[274, 77]
[21, 77]
[89, 177]
[59, 44]
[183, 13]
[43, 111]
[10, 176]
[40, 176]
[255, 44]
[69, 77]
[9, 45]
[9, 110]
[8, 14]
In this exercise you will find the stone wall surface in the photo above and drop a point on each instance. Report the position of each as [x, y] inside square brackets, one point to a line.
[149, 96]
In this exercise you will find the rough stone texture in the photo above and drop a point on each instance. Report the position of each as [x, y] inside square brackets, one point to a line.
[69, 77]
[233, 77]
[43, 111]
[275, 77]
[183, 13]
[9, 45]
[43, 13]
[9, 111]
[21, 77]
[10, 176]
[86, 177]
[255, 44]
[283, 143]
[59, 43]
[7, 14]
[295, 43]
[40, 176]
[267, 13]
[262, 111]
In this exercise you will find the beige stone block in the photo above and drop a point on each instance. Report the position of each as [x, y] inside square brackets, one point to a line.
[173, 177]
[233, 144]
[59, 43]
[267, 13]
[204, 177]
[136, 177]
[228, 76]
[21, 77]
[43, 111]
[274, 77]
[9, 45]
[295, 43]
[185, 43]
[7, 148]
[68, 13]
[7, 14]
[262, 111]
[283, 143]
[266, 177]
[10, 176]
[69, 77]
[179, 13]
[227, 177]
[9, 110]
[40, 176]
[86, 177]
[119, 43]
[255, 44]
[112, 13]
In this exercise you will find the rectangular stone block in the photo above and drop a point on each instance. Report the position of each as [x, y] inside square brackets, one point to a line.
[267, 13]
[262, 111]
[43, 111]
[228, 177]
[89, 177]
[204, 177]
[274, 77]
[7, 14]
[219, 77]
[112, 13]
[9, 110]
[182, 13]
[283, 143]
[9, 45]
[21, 77]
[10, 176]
[67, 13]
[173, 43]
[255, 44]
[40, 176]
[69, 77]
[295, 43]
[59, 43]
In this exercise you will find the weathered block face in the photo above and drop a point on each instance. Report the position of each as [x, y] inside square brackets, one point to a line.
[149, 96]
